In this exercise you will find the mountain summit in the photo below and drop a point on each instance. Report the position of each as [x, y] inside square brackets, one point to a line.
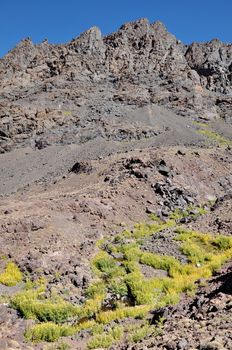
[140, 64]
[115, 169]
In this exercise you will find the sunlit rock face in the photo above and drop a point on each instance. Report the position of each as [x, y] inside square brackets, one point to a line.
[96, 77]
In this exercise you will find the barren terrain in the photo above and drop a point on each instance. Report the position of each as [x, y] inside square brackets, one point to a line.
[116, 152]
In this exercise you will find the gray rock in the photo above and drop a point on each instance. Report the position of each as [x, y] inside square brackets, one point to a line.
[182, 344]
[91, 86]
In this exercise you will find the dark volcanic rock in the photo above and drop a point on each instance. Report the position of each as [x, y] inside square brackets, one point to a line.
[81, 167]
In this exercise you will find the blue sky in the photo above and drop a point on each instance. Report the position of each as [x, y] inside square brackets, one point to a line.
[60, 21]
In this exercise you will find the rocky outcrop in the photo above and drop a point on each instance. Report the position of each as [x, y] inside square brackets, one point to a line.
[50, 93]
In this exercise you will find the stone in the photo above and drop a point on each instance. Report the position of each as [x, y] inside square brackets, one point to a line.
[182, 344]
[180, 152]
[81, 167]
[164, 169]
[212, 345]
[150, 210]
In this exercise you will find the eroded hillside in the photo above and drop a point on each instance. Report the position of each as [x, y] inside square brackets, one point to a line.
[115, 185]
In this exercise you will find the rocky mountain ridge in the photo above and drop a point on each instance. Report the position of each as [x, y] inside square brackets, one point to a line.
[51, 93]
[116, 193]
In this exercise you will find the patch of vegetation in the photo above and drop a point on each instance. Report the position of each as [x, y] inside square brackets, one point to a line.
[11, 276]
[63, 346]
[167, 263]
[155, 218]
[97, 288]
[201, 124]
[191, 211]
[31, 304]
[223, 242]
[67, 113]
[120, 289]
[121, 313]
[214, 136]
[142, 332]
[48, 332]
[59, 346]
[104, 340]
[3, 257]
[145, 230]
[105, 266]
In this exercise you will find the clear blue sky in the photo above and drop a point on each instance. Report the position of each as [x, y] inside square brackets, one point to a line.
[61, 20]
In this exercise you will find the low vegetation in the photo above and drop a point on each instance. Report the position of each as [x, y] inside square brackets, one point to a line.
[140, 333]
[47, 331]
[214, 136]
[31, 304]
[120, 290]
[11, 276]
[103, 340]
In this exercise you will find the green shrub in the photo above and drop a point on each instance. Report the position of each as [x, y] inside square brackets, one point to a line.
[89, 324]
[97, 329]
[121, 313]
[97, 288]
[63, 346]
[140, 289]
[11, 276]
[91, 307]
[195, 253]
[29, 305]
[118, 286]
[156, 261]
[100, 341]
[145, 230]
[106, 266]
[48, 331]
[105, 340]
[142, 332]
[131, 252]
[223, 242]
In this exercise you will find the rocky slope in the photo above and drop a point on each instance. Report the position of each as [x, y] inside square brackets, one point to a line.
[90, 86]
[96, 136]
[57, 225]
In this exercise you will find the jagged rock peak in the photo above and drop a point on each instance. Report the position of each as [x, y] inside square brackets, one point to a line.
[21, 55]
[25, 44]
[141, 29]
[158, 26]
[89, 41]
[94, 33]
[142, 23]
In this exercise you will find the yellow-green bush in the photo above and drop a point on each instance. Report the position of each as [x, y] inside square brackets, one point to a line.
[156, 261]
[89, 324]
[91, 307]
[48, 331]
[118, 286]
[30, 304]
[139, 311]
[145, 230]
[97, 288]
[190, 211]
[11, 276]
[104, 265]
[100, 341]
[105, 340]
[142, 332]
[223, 242]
